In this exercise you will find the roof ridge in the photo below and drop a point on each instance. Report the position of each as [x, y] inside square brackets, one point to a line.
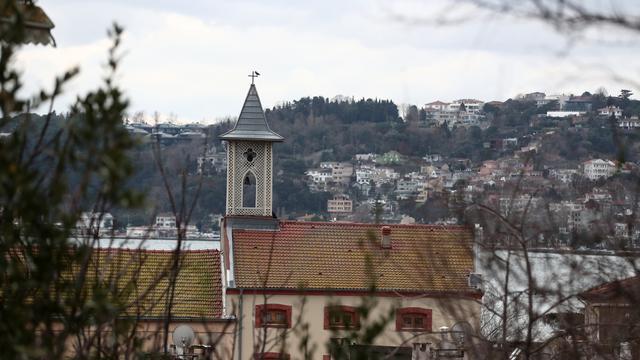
[612, 285]
[155, 251]
[353, 223]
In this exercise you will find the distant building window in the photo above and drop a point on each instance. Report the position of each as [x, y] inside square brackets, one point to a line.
[341, 317]
[273, 315]
[413, 319]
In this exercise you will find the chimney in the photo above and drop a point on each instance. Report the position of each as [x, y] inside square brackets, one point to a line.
[444, 332]
[386, 237]
[478, 234]
[478, 241]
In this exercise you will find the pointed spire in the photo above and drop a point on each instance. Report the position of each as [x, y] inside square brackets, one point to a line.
[251, 124]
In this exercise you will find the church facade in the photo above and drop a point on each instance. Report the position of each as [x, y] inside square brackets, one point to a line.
[312, 288]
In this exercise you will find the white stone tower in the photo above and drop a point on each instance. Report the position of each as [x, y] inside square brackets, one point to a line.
[250, 161]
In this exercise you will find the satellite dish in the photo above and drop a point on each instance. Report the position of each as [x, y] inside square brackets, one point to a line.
[183, 336]
[461, 332]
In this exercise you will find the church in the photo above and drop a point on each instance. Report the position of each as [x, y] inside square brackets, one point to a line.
[320, 289]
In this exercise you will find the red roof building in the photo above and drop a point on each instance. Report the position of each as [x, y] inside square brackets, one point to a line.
[288, 281]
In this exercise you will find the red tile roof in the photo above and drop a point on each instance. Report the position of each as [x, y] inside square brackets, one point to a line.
[141, 277]
[348, 256]
[626, 289]
[469, 101]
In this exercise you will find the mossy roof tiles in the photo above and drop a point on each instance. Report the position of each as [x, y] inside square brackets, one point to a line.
[141, 278]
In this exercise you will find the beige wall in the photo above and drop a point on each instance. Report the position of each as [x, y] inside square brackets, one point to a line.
[217, 333]
[310, 311]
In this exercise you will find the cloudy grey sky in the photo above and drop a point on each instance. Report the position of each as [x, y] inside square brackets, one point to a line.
[191, 58]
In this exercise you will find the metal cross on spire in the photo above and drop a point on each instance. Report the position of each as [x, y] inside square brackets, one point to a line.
[254, 74]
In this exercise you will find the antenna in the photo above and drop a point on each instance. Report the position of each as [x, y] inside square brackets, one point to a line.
[183, 336]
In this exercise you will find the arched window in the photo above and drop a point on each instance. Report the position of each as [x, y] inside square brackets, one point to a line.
[249, 191]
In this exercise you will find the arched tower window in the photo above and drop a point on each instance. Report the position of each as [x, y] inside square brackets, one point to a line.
[249, 190]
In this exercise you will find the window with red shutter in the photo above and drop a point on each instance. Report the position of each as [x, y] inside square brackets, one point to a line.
[413, 319]
[341, 317]
[273, 315]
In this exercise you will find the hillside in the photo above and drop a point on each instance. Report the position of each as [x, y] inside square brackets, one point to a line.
[317, 129]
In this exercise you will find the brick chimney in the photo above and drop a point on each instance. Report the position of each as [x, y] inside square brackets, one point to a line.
[386, 237]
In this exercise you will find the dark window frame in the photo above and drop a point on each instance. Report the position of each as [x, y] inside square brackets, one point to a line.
[339, 312]
[414, 312]
[264, 309]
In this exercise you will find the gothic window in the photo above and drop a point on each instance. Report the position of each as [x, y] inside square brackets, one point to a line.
[249, 191]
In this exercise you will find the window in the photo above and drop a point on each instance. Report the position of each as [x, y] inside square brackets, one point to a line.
[413, 319]
[273, 315]
[249, 191]
[341, 317]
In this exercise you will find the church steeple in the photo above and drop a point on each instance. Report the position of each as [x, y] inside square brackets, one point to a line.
[252, 124]
[250, 160]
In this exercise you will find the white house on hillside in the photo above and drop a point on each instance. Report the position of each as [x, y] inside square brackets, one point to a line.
[597, 168]
[629, 123]
[610, 110]
[437, 105]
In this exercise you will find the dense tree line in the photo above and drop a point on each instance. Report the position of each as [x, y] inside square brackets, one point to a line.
[350, 111]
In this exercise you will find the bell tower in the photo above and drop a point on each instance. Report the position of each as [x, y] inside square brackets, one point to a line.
[250, 160]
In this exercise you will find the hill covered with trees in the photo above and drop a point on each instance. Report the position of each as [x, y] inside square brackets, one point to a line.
[318, 129]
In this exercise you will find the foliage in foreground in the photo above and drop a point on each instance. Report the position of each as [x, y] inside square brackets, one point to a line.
[47, 175]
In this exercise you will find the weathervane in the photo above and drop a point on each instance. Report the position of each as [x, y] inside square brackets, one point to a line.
[254, 74]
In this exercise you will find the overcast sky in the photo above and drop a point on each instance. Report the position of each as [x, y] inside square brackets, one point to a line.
[192, 58]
